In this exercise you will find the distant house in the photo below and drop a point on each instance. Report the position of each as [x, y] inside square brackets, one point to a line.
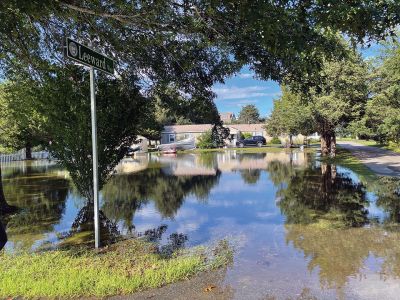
[174, 133]
[227, 117]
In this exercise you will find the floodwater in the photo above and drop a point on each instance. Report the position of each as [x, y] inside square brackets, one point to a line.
[301, 228]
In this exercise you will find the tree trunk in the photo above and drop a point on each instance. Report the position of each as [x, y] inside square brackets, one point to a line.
[5, 208]
[333, 144]
[28, 151]
[325, 143]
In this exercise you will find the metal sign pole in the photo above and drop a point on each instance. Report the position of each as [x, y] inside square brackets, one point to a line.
[89, 57]
[95, 161]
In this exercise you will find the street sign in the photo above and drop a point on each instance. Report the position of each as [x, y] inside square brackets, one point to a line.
[89, 57]
[86, 56]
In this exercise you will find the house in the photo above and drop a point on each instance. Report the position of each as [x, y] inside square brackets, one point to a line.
[236, 131]
[227, 117]
[174, 133]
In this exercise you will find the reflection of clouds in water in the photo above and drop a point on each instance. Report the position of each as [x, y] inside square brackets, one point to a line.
[371, 287]
[189, 220]
[185, 212]
[146, 226]
[186, 227]
[147, 212]
[266, 214]
[233, 202]
[232, 185]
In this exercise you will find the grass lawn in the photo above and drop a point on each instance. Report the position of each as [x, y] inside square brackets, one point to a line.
[347, 160]
[391, 146]
[120, 269]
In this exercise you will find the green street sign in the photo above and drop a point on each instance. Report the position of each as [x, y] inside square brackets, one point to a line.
[88, 57]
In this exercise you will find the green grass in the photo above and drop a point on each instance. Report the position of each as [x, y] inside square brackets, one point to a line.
[346, 159]
[391, 146]
[121, 269]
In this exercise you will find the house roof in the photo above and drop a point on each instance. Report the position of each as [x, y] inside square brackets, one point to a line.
[248, 127]
[187, 128]
[204, 127]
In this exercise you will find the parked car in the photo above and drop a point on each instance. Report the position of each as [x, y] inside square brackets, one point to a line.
[256, 140]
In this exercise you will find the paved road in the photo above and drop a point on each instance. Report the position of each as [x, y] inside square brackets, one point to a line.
[381, 161]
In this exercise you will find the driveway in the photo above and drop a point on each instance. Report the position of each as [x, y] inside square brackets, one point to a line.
[381, 161]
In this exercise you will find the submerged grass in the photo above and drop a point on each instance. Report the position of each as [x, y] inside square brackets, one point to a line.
[120, 269]
[346, 159]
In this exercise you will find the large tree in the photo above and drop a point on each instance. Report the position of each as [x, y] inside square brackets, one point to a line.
[335, 103]
[194, 42]
[249, 114]
[184, 45]
[290, 116]
[382, 114]
[21, 125]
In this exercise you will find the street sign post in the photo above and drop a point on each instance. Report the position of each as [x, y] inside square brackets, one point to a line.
[89, 57]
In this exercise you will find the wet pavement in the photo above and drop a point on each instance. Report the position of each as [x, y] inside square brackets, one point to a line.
[381, 161]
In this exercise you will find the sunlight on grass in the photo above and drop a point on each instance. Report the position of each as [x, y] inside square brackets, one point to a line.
[347, 160]
[123, 268]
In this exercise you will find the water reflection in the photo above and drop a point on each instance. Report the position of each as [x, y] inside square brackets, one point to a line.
[126, 193]
[321, 193]
[41, 195]
[293, 218]
[340, 255]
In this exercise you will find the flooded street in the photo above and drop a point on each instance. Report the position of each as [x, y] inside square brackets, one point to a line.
[301, 228]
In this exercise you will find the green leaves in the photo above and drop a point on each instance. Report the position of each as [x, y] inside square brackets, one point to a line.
[249, 114]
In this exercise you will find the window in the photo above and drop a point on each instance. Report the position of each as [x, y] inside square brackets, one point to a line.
[171, 138]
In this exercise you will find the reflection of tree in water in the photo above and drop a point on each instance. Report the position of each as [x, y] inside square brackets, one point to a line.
[175, 240]
[280, 173]
[250, 176]
[387, 189]
[318, 192]
[41, 198]
[250, 156]
[340, 254]
[126, 193]
[84, 224]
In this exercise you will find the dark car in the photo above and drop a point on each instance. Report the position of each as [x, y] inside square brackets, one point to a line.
[256, 140]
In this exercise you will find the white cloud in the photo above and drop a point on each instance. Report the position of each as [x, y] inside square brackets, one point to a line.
[245, 75]
[241, 92]
[240, 102]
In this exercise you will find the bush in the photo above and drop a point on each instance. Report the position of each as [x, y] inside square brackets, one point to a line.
[205, 141]
[245, 135]
[298, 141]
[275, 140]
[314, 141]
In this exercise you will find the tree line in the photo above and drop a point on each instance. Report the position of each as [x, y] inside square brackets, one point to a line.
[355, 98]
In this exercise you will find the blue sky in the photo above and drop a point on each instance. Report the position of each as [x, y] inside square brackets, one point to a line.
[243, 89]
